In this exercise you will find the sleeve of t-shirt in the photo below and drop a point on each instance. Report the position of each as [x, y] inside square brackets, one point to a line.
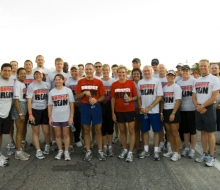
[112, 93]
[16, 91]
[30, 91]
[78, 87]
[70, 94]
[216, 85]
[159, 89]
[50, 102]
[177, 92]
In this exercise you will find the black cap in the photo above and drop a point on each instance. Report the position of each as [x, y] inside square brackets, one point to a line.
[154, 62]
[136, 60]
[185, 67]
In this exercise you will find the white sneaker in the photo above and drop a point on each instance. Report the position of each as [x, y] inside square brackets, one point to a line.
[175, 157]
[59, 155]
[79, 144]
[3, 163]
[185, 152]
[67, 156]
[46, 149]
[40, 155]
[182, 145]
[168, 154]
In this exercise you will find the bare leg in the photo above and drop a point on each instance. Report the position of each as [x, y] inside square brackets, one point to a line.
[98, 134]
[86, 129]
[57, 131]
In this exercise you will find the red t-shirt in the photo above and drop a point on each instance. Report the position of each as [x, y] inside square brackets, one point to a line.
[95, 87]
[118, 91]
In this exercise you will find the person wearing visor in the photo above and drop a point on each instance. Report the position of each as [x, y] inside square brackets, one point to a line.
[187, 113]
[154, 64]
[170, 115]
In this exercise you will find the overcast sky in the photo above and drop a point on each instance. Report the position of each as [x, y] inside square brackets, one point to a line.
[110, 31]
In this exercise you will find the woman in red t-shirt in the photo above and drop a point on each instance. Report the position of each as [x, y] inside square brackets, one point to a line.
[123, 94]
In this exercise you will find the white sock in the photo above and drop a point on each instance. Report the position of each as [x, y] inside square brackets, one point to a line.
[18, 152]
[109, 147]
[129, 152]
[47, 145]
[38, 150]
[126, 150]
[60, 150]
[53, 142]
[187, 148]
[146, 148]
[155, 149]
[104, 146]
[168, 144]
[161, 143]
[66, 151]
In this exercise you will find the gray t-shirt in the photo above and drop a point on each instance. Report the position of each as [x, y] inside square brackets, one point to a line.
[29, 79]
[204, 86]
[60, 101]
[149, 90]
[6, 94]
[39, 94]
[19, 91]
[187, 87]
[50, 78]
[170, 95]
[163, 81]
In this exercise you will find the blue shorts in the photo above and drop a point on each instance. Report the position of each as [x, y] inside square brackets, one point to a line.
[91, 115]
[153, 119]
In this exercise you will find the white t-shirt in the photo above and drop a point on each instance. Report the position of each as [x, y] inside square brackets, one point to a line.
[97, 77]
[107, 87]
[39, 94]
[163, 81]
[70, 83]
[178, 78]
[149, 90]
[29, 79]
[170, 95]
[50, 78]
[19, 91]
[60, 101]
[6, 95]
[187, 87]
[13, 77]
[155, 75]
[204, 86]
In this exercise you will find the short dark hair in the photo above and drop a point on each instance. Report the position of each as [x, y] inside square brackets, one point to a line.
[115, 65]
[136, 69]
[20, 69]
[28, 61]
[89, 64]
[98, 62]
[6, 65]
[81, 65]
[14, 61]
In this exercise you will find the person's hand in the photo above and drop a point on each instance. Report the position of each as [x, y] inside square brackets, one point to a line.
[203, 111]
[70, 121]
[31, 118]
[199, 108]
[87, 93]
[114, 117]
[50, 121]
[21, 117]
[93, 100]
[172, 117]
[161, 117]
[77, 103]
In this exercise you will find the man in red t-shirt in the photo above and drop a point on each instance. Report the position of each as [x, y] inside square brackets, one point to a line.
[91, 92]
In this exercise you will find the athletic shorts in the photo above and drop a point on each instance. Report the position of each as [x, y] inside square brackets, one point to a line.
[206, 122]
[41, 117]
[61, 124]
[123, 117]
[188, 122]
[91, 115]
[152, 119]
[167, 113]
[218, 119]
[23, 106]
[5, 124]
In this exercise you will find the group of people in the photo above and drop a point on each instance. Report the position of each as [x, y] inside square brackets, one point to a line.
[62, 101]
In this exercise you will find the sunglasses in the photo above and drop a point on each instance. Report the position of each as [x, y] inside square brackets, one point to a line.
[98, 66]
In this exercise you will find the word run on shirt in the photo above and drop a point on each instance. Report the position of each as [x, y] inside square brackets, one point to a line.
[60, 100]
[120, 92]
[6, 92]
[40, 94]
[168, 97]
[186, 91]
[202, 87]
[147, 89]
[92, 88]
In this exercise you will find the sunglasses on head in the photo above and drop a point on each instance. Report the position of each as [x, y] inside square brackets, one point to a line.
[98, 66]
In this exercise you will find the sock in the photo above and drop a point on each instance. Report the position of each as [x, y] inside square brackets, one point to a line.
[38, 150]
[129, 152]
[66, 151]
[192, 150]
[109, 147]
[168, 144]
[126, 150]
[146, 148]
[155, 149]
[99, 150]
[18, 152]
[60, 150]
[53, 142]
[88, 150]
[104, 146]
[47, 145]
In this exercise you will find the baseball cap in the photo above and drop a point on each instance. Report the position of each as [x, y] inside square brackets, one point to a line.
[179, 64]
[39, 70]
[154, 61]
[172, 72]
[74, 66]
[185, 67]
[136, 60]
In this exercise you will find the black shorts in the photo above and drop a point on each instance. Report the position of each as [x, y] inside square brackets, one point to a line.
[188, 122]
[167, 113]
[41, 117]
[123, 117]
[108, 123]
[218, 119]
[5, 124]
[206, 122]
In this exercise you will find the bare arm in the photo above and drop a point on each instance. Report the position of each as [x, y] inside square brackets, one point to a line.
[113, 109]
[29, 106]
[50, 114]
[70, 121]
[17, 107]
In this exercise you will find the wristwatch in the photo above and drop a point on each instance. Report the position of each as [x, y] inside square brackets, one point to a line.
[173, 113]
[20, 114]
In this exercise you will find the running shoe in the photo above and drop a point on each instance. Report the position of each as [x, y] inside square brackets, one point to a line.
[185, 152]
[59, 155]
[88, 156]
[12, 144]
[168, 154]
[79, 144]
[54, 147]
[110, 152]
[21, 156]
[156, 156]
[144, 154]
[101, 156]
[182, 145]
[123, 154]
[4, 158]
[129, 157]
[192, 153]
[71, 149]
[46, 149]
[210, 161]
[161, 148]
[202, 158]
[105, 151]
[175, 157]
[67, 156]
[25, 153]
[40, 155]
[3, 163]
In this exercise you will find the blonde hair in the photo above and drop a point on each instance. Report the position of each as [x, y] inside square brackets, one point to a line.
[122, 67]
[58, 59]
[105, 65]
[206, 60]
